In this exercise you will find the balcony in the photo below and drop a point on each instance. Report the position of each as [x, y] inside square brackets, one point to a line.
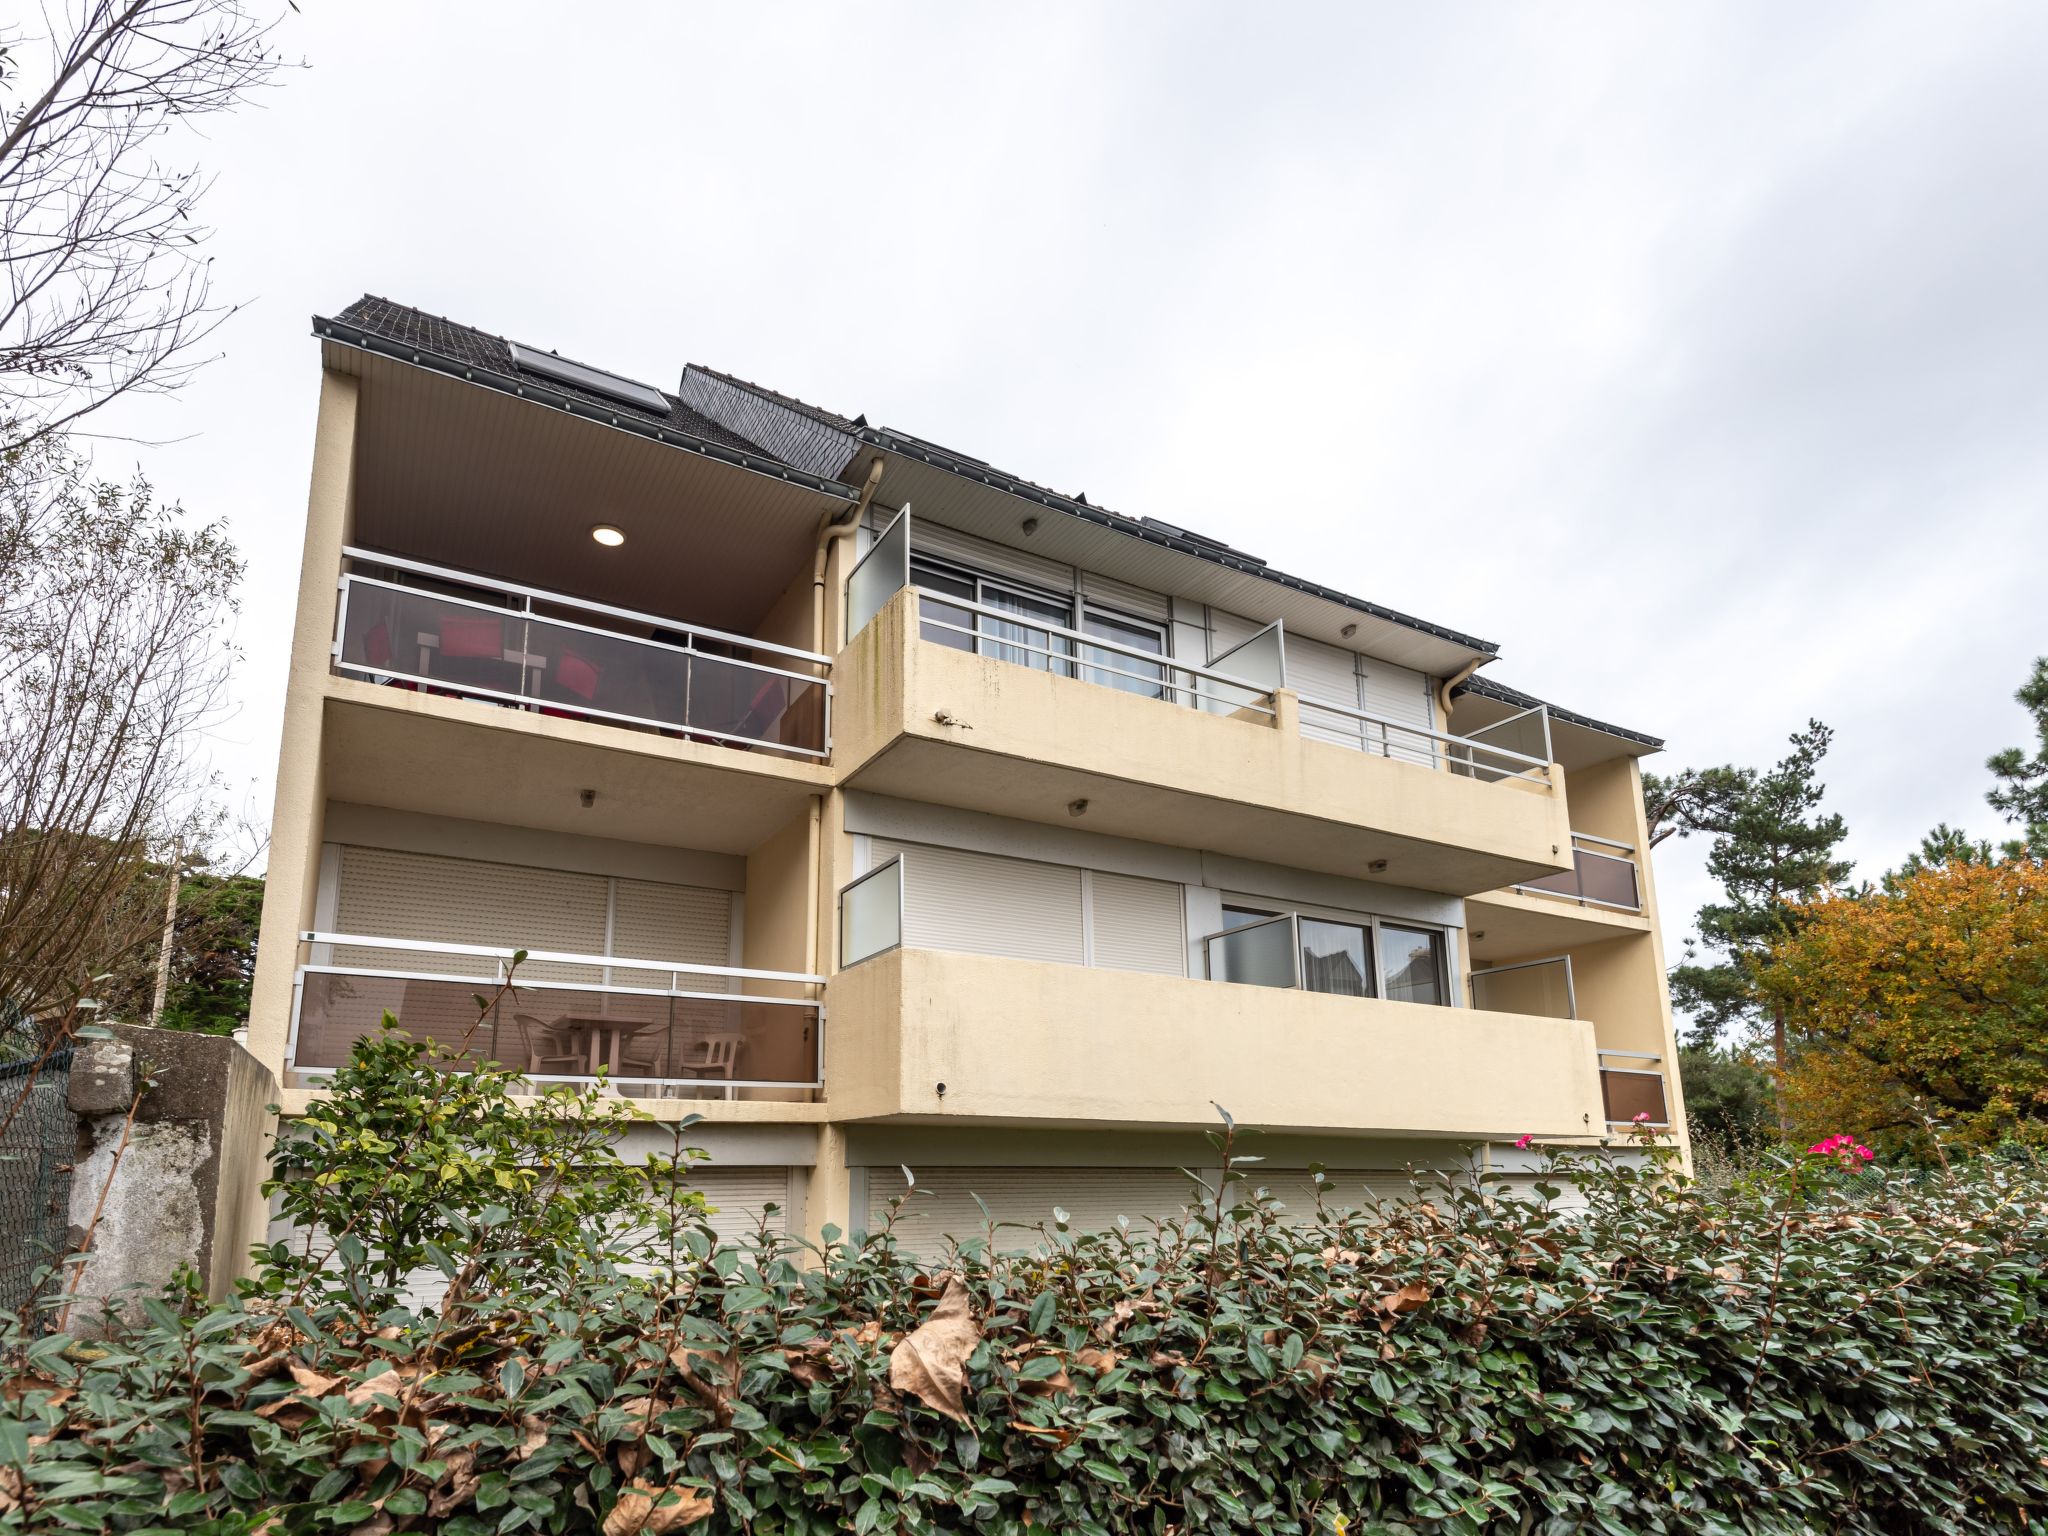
[1603, 874]
[1631, 1082]
[1061, 726]
[647, 1028]
[1626, 1092]
[927, 1036]
[438, 631]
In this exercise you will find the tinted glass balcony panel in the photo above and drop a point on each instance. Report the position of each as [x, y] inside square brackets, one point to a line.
[1631, 1093]
[663, 680]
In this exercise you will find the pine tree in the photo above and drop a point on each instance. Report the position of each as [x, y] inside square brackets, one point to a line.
[1774, 847]
[2023, 797]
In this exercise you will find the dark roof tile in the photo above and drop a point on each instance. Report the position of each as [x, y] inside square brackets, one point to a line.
[480, 349]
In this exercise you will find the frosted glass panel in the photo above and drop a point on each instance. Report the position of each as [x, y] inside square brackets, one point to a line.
[883, 571]
[871, 913]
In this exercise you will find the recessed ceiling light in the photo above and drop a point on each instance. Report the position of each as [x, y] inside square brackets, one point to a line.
[607, 535]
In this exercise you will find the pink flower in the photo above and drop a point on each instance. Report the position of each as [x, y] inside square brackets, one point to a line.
[1864, 1153]
[1522, 1143]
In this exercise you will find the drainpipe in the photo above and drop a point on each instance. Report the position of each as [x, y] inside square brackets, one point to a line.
[829, 533]
[1443, 690]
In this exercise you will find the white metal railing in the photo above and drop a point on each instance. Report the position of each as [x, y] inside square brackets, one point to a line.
[1416, 743]
[665, 1025]
[1075, 653]
[392, 632]
[1597, 878]
[1091, 657]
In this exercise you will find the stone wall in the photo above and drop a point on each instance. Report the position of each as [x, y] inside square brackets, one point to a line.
[171, 1187]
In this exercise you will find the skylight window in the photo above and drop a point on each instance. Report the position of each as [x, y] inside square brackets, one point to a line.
[596, 380]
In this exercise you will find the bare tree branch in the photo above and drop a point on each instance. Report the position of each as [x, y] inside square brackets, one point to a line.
[114, 654]
[104, 288]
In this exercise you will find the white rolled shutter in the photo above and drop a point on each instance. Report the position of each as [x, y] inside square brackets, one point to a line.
[1405, 697]
[987, 905]
[397, 895]
[929, 538]
[740, 1196]
[393, 894]
[1137, 925]
[1228, 630]
[1325, 674]
[1122, 597]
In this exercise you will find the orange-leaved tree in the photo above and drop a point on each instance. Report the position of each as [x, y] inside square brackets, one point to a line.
[1926, 999]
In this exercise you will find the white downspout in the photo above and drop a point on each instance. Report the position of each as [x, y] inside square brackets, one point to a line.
[829, 533]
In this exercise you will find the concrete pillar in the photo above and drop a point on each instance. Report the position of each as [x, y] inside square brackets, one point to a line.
[171, 1153]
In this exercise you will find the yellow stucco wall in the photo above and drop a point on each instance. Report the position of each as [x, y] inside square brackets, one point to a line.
[930, 722]
[1022, 1041]
[1017, 1043]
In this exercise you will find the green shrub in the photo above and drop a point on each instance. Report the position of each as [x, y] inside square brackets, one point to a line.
[1479, 1361]
[1817, 1350]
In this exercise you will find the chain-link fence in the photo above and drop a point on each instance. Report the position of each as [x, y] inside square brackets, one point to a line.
[36, 1150]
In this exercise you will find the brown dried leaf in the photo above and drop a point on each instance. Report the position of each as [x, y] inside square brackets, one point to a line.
[262, 1367]
[1065, 1437]
[931, 1363]
[868, 1332]
[458, 1483]
[811, 1365]
[313, 1383]
[1412, 1295]
[1047, 1386]
[387, 1382]
[646, 1510]
[379, 1524]
[1101, 1361]
[534, 1436]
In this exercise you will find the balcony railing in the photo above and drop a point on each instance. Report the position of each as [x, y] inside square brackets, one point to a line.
[1631, 1091]
[1047, 647]
[650, 1028]
[1241, 680]
[1542, 988]
[437, 630]
[1598, 877]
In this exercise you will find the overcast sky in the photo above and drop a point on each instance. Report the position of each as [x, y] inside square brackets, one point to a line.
[1696, 354]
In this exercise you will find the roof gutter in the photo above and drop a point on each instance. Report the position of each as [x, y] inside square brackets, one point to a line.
[1130, 527]
[343, 334]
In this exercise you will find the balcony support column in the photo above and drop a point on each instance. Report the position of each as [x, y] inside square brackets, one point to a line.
[829, 1199]
[1287, 713]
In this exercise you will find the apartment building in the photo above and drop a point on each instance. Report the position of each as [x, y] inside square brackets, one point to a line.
[891, 812]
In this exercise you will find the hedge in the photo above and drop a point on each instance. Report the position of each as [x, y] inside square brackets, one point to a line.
[1814, 1352]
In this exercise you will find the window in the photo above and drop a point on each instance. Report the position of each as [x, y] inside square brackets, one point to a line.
[1115, 669]
[1023, 630]
[1354, 957]
[1413, 962]
[1334, 958]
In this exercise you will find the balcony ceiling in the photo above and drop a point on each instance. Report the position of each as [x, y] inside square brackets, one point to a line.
[1505, 926]
[446, 757]
[456, 474]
